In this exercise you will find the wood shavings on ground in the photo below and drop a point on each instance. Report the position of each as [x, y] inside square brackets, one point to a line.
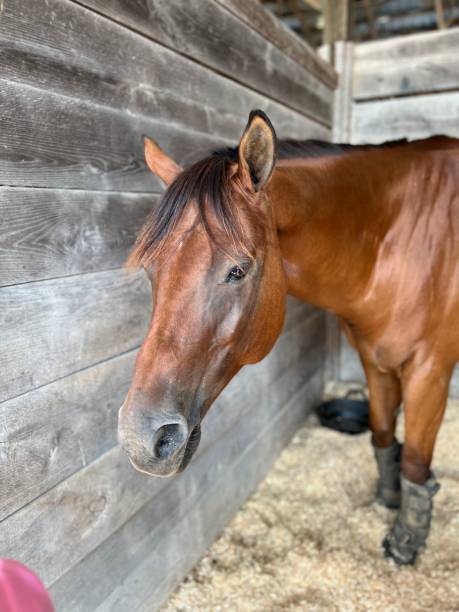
[310, 537]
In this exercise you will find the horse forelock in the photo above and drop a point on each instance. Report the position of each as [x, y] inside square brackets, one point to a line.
[211, 184]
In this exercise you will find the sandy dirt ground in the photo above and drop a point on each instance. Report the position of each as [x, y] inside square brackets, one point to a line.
[310, 537]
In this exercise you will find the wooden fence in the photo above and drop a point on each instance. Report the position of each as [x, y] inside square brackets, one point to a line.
[81, 82]
[406, 87]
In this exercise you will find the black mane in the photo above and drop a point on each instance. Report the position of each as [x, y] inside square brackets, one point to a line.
[292, 149]
[208, 182]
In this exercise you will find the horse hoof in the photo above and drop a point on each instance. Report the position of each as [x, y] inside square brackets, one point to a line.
[400, 553]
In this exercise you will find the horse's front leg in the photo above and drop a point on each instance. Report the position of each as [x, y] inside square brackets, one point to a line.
[425, 393]
[385, 397]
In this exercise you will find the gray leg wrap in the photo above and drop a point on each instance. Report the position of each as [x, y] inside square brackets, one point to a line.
[409, 534]
[388, 461]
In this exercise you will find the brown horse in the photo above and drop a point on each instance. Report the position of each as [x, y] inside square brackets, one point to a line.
[370, 233]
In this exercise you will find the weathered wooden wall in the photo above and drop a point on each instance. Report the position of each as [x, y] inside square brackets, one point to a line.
[81, 82]
[406, 87]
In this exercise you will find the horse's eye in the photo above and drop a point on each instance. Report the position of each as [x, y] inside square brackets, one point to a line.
[235, 274]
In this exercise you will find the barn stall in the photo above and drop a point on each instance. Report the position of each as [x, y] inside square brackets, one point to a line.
[81, 83]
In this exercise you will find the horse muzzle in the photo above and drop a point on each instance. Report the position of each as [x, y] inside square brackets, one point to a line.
[159, 445]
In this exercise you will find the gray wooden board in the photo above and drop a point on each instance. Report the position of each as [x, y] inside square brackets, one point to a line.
[332, 364]
[50, 140]
[412, 117]
[151, 549]
[88, 507]
[56, 327]
[342, 111]
[112, 66]
[185, 536]
[273, 29]
[349, 366]
[46, 233]
[407, 65]
[52, 432]
[215, 37]
[454, 386]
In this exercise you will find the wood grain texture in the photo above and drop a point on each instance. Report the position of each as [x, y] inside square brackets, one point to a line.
[76, 119]
[407, 65]
[47, 233]
[50, 433]
[342, 111]
[112, 66]
[270, 27]
[50, 140]
[411, 117]
[216, 38]
[53, 328]
[88, 507]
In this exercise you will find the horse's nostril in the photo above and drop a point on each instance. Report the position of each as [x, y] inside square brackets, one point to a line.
[168, 439]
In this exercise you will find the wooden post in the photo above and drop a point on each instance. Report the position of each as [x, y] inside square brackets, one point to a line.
[441, 21]
[337, 21]
[370, 18]
[342, 103]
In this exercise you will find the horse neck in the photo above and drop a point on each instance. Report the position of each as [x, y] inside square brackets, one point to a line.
[331, 220]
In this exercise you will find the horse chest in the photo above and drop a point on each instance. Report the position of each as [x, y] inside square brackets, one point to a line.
[387, 349]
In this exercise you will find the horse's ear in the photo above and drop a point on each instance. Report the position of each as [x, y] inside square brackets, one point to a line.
[159, 163]
[257, 150]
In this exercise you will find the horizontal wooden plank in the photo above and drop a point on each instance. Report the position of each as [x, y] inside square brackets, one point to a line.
[112, 66]
[216, 38]
[48, 233]
[274, 30]
[411, 117]
[52, 432]
[184, 535]
[77, 120]
[406, 65]
[407, 46]
[49, 140]
[55, 327]
[91, 505]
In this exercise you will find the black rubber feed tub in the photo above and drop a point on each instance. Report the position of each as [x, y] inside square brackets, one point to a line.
[348, 414]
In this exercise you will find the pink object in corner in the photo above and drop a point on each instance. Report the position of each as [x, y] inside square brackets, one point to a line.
[21, 590]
